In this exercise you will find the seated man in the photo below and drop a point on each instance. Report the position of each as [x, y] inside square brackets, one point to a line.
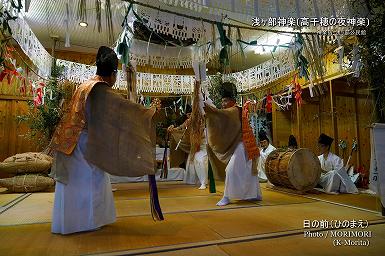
[266, 149]
[334, 178]
[292, 144]
[197, 164]
[232, 142]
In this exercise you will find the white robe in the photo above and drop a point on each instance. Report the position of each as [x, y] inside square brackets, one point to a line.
[86, 202]
[264, 153]
[240, 183]
[334, 177]
[197, 170]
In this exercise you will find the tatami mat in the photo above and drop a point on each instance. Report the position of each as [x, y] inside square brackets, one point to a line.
[7, 198]
[132, 200]
[37, 208]
[144, 185]
[126, 233]
[177, 191]
[289, 246]
[193, 225]
[270, 197]
[142, 232]
[174, 205]
[298, 245]
[268, 219]
[213, 250]
[366, 201]
[175, 197]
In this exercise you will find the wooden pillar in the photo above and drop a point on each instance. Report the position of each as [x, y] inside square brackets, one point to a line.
[334, 121]
[274, 125]
[356, 126]
[319, 117]
[53, 47]
[55, 38]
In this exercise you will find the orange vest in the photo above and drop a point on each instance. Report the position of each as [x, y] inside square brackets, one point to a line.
[68, 131]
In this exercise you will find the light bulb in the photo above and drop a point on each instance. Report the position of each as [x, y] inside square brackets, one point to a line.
[83, 24]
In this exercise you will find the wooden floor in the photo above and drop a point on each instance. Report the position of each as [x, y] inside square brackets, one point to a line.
[193, 224]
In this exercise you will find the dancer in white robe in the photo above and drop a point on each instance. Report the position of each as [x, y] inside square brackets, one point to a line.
[266, 149]
[197, 168]
[334, 178]
[240, 183]
[86, 202]
[83, 196]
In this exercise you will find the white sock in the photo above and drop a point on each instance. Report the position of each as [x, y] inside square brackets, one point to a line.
[203, 186]
[224, 201]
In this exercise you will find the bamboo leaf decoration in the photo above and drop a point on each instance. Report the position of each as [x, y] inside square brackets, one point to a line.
[82, 16]
[300, 61]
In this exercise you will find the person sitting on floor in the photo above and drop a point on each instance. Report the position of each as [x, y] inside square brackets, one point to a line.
[266, 149]
[292, 143]
[334, 178]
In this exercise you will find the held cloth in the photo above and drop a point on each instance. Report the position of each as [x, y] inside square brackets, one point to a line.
[224, 135]
[121, 138]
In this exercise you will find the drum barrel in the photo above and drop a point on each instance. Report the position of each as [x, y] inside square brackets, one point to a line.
[297, 169]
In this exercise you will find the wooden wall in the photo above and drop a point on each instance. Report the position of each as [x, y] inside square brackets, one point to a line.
[13, 103]
[281, 123]
[13, 137]
[343, 112]
[12, 133]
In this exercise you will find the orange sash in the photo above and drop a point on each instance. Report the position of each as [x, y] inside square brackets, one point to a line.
[248, 137]
[68, 131]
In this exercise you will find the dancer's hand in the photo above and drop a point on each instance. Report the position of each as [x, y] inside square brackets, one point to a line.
[208, 101]
[188, 121]
[170, 128]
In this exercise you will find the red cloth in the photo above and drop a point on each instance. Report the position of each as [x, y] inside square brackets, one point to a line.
[297, 90]
[38, 99]
[9, 74]
[269, 103]
[23, 87]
